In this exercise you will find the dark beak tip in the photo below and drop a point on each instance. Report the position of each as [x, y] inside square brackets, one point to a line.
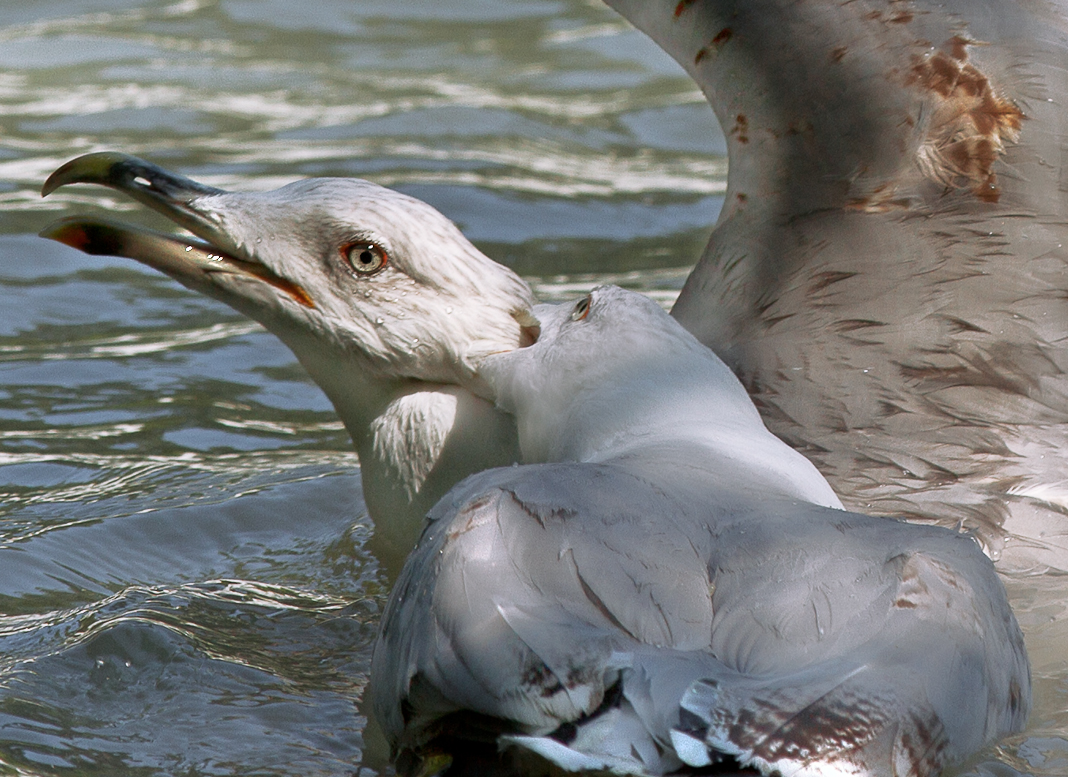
[97, 168]
[69, 172]
[54, 181]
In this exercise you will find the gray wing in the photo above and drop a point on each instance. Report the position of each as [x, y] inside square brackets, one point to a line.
[887, 272]
[513, 608]
[892, 645]
[554, 599]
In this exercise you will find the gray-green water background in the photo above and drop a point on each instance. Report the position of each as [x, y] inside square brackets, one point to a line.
[184, 585]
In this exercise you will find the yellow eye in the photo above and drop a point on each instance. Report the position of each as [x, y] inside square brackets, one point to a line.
[582, 308]
[365, 258]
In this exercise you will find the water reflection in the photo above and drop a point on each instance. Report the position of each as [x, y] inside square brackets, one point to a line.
[184, 580]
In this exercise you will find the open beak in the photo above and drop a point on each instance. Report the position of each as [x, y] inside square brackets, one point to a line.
[195, 263]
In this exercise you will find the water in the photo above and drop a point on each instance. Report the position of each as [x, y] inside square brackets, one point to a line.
[184, 581]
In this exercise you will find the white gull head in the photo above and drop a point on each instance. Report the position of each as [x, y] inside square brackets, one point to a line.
[393, 281]
[615, 373]
[381, 298]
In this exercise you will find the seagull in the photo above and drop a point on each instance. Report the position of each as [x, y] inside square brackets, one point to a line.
[380, 297]
[664, 584]
[887, 275]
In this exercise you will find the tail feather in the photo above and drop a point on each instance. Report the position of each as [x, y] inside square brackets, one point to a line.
[679, 709]
[850, 728]
[614, 742]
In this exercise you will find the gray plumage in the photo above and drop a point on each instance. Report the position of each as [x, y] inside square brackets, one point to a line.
[671, 583]
[888, 272]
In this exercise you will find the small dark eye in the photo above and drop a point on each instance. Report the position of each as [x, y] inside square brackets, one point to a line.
[364, 258]
[582, 308]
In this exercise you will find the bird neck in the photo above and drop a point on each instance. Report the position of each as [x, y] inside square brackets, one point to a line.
[415, 440]
[690, 413]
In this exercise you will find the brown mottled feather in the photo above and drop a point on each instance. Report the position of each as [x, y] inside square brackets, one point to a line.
[907, 170]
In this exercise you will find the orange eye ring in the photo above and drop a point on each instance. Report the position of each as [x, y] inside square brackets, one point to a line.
[582, 308]
[365, 258]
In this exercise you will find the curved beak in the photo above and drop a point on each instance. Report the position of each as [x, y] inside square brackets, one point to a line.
[192, 262]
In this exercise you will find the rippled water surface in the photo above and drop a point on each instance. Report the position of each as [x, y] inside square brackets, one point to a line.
[184, 581]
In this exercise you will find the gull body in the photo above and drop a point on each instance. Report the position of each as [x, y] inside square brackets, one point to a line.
[379, 296]
[886, 276]
[664, 584]
[888, 271]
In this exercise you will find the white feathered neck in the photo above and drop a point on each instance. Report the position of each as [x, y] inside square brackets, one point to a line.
[626, 377]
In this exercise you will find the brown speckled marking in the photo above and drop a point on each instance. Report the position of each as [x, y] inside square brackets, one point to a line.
[840, 724]
[958, 47]
[822, 280]
[741, 128]
[682, 6]
[539, 677]
[920, 746]
[912, 592]
[469, 516]
[970, 124]
[747, 730]
[855, 324]
[717, 42]
[1016, 697]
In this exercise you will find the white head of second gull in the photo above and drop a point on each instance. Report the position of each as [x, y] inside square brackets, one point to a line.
[668, 587]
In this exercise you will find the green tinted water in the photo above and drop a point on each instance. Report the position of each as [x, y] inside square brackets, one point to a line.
[184, 584]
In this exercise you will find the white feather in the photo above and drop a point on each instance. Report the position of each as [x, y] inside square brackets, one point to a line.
[672, 579]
